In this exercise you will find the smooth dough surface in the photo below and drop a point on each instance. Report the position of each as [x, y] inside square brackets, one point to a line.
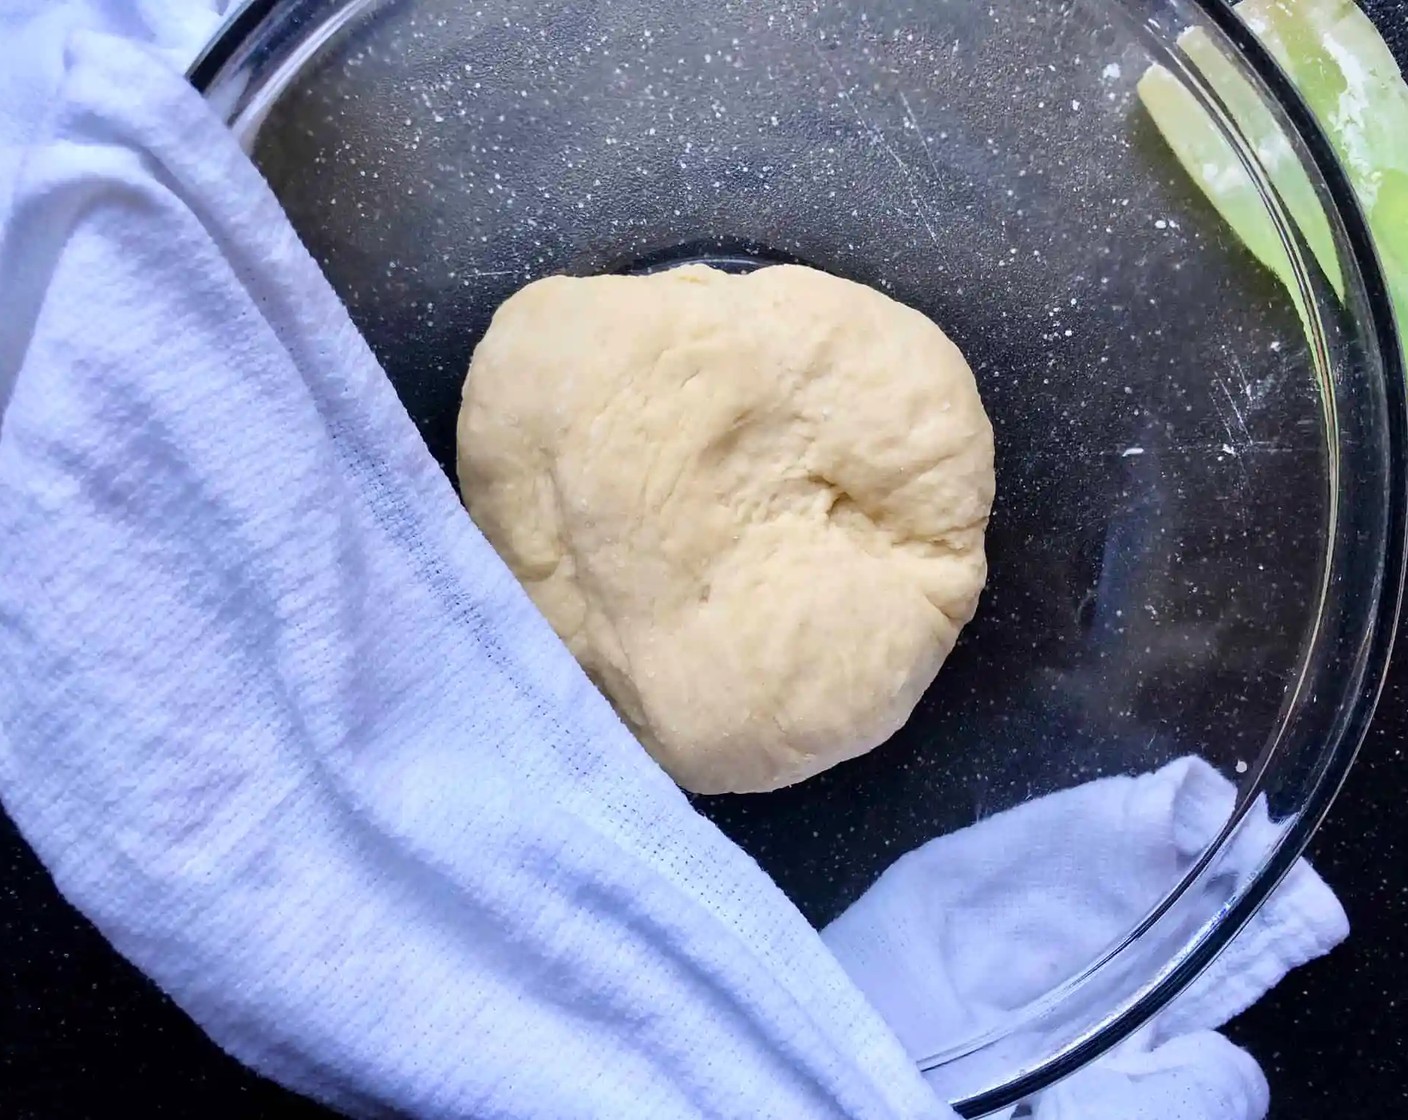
[752, 506]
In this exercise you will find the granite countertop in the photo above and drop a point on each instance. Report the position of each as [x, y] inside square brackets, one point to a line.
[83, 1034]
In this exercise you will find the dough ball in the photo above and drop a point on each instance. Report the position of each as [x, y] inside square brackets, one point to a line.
[752, 506]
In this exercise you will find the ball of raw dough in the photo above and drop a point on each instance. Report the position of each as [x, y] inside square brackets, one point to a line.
[752, 506]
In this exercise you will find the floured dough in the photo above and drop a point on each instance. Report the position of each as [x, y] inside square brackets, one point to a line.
[752, 506]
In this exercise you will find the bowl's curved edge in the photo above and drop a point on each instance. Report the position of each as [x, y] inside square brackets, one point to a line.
[1379, 642]
[239, 22]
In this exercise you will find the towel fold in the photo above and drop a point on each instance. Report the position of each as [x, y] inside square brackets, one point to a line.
[959, 937]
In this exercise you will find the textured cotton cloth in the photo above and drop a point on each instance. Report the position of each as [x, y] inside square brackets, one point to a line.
[282, 725]
[961, 936]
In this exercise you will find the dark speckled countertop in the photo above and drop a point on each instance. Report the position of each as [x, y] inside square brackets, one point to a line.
[82, 1034]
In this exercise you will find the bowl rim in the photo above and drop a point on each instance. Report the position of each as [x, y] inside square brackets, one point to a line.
[247, 16]
[1385, 332]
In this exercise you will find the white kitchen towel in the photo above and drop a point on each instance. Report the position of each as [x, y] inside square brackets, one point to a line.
[966, 933]
[282, 725]
[35, 33]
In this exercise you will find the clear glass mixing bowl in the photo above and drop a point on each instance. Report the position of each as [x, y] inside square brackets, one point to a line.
[1198, 539]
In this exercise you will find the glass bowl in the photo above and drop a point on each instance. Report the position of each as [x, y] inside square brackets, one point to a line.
[1197, 546]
